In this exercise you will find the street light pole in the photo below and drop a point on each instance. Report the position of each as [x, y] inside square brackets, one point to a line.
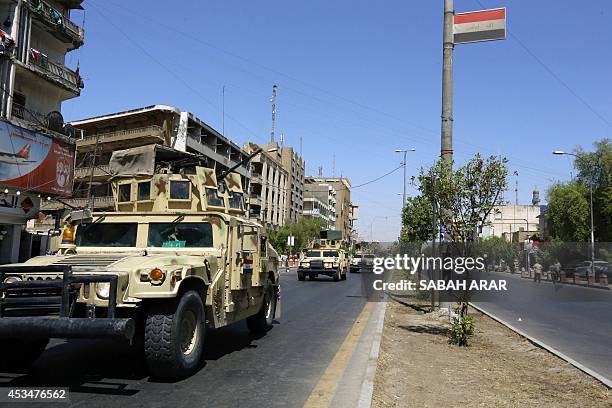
[561, 152]
[404, 196]
[404, 163]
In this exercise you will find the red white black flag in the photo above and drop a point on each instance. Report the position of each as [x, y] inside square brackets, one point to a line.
[482, 25]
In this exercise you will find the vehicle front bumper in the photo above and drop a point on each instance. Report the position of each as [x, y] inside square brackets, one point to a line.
[318, 271]
[66, 327]
[44, 308]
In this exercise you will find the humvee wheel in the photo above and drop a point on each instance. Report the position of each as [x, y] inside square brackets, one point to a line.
[301, 277]
[174, 337]
[262, 321]
[20, 353]
[337, 275]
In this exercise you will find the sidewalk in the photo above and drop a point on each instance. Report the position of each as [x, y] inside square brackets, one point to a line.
[418, 368]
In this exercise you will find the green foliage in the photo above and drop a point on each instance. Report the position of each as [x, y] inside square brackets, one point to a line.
[497, 249]
[593, 169]
[417, 220]
[569, 213]
[465, 197]
[304, 230]
[462, 328]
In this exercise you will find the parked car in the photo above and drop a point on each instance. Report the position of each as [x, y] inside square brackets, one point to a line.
[601, 267]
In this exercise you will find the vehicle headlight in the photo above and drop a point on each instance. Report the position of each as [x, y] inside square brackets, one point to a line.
[305, 264]
[328, 264]
[103, 290]
[12, 279]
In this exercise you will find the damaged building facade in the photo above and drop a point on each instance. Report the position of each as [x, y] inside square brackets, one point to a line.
[36, 147]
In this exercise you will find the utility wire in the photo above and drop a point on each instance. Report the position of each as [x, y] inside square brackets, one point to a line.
[176, 76]
[554, 75]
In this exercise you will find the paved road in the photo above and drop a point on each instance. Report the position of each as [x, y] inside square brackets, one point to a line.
[279, 369]
[575, 320]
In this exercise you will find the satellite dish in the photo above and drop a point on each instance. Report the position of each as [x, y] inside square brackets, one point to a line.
[69, 130]
[55, 121]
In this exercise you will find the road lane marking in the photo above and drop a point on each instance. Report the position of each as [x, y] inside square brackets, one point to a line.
[323, 392]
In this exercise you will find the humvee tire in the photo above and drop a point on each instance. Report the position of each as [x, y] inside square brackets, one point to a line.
[262, 321]
[20, 353]
[301, 277]
[337, 275]
[174, 337]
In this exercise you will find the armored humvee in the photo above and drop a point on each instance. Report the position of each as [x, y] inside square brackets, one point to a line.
[362, 261]
[324, 257]
[176, 258]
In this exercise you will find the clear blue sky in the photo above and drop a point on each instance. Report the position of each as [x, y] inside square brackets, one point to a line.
[358, 79]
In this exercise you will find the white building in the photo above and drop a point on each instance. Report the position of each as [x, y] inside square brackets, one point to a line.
[36, 147]
[267, 188]
[314, 207]
[506, 220]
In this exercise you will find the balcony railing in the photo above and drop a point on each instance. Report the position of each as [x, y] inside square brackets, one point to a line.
[56, 20]
[21, 112]
[99, 202]
[67, 77]
[152, 132]
[98, 171]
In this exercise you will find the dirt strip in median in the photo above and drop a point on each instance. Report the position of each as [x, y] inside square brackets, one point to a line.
[417, 367]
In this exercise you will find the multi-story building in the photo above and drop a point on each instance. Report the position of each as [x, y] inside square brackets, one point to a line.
[156, 124]
[507, 220]
[295, 167]
[267, 187]
[515, 222]
[36, 147]
[344, 210]
[315, 207]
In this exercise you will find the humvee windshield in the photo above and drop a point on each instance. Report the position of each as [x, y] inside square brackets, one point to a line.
[111, 234]
[180, 235]
[330, 254]
[313, 254]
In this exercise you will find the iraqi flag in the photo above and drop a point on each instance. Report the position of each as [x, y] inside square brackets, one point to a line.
[482, 25]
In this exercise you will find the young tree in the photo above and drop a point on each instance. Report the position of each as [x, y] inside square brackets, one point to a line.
[595, 169]
[417, 220]
[569, 211]
[304, 230]
[462, 201]
[465, 197]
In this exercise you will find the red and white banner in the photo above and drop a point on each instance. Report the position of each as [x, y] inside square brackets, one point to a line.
[35, 162]
[482, 25]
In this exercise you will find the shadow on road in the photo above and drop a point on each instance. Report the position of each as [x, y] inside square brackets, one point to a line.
[109, 367]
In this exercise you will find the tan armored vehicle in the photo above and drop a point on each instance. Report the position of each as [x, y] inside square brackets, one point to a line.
[362, 261]
[324, 257]
[178, 257]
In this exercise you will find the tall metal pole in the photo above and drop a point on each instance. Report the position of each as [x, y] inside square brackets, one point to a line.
[446, 151]
[273, 100]
[404, 196]
[592, 233]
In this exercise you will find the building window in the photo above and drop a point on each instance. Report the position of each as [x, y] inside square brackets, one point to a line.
[179, 190]
[144, 191]
[125, 193]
